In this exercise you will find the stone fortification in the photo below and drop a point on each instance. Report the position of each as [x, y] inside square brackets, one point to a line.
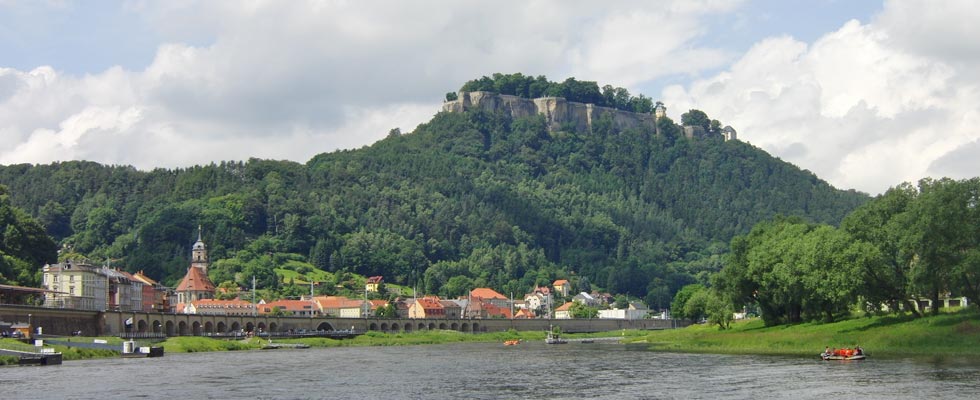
[556, 110]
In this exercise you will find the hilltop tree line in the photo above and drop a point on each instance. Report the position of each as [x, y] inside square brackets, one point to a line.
[529, 87]
[910, 243]
[466, 200]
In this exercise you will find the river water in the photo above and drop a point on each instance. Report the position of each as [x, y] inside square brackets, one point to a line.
[490, 371]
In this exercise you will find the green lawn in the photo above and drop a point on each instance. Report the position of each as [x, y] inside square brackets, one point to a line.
[954, 333]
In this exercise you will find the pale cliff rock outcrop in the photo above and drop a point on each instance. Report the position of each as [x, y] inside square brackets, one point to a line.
[556, 110]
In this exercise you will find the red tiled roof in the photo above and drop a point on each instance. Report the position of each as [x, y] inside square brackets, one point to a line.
[430, 303]
[486, 293]
[493, 311]
[195, 281]
[337, 302]
[565, 307]
[374, 279]
[560, 282]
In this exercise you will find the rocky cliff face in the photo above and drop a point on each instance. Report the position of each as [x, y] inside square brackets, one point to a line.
[556, 110]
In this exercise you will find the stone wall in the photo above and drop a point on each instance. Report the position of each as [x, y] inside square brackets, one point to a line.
[556, 110]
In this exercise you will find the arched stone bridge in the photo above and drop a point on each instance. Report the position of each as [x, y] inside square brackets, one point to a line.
[64, 322]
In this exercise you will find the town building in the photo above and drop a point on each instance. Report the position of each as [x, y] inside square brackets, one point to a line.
[427, 307]
[81, 286]
[219, 307]
[454, 308]
[373, 284]
[491, 296]
[155, 295]
[635, 310]
[539, 301]
[562, 287]
[288, 308]
[586, 299]
[564, 311]
[343, 307]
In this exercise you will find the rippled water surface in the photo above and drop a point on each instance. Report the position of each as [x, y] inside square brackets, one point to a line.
[490, 371]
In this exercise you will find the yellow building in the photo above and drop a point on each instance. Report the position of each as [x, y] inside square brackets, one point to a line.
[81, 286]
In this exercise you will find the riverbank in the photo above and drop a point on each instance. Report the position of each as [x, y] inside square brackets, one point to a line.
[948, 334]
[196, 344]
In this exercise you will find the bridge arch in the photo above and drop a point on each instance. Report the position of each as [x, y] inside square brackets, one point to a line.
[249, 327]
[442, 325]
[208, 327]
[454, 326]
[394, 327]
[465, 327]
[222, 328]
[170, 328]
[157, 327]
[324, 326]
[235, 327]
[384, 327]
[432, 326]
[273, 327]
[182, 328]
[476, 327]
[196, 328]
[421, 326]
[141, 326]
[261, 327]
[373, 326]
[407, 327]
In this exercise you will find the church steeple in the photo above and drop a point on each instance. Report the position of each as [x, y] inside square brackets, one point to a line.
[199, 253]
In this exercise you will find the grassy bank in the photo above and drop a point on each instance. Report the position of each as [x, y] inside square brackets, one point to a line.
[444, 336]
[949, 334]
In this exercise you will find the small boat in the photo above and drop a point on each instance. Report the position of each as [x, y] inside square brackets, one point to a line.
[554, 337]
[843, 354]
[514, 342]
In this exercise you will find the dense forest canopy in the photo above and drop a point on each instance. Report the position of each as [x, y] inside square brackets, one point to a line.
[24, 246]
[467, 199]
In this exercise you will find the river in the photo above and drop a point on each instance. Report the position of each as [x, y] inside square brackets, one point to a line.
[490, 371]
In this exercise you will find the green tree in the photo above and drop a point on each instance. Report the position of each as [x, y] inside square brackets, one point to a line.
[678, 306]
[696, 118]
[941, 235]
[884, 224]
[578, 310]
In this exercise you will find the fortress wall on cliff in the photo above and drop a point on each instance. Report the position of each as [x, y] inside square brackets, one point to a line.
[556, 110]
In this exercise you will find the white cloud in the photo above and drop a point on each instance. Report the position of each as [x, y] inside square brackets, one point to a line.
[858, 107]
[233, 80]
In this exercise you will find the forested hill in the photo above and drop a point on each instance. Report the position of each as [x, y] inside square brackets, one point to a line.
[467, 199]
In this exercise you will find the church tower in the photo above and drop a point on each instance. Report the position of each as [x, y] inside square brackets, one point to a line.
[199, 253]
[196, 285]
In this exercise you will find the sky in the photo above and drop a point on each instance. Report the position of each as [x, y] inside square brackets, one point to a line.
[865, 94]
